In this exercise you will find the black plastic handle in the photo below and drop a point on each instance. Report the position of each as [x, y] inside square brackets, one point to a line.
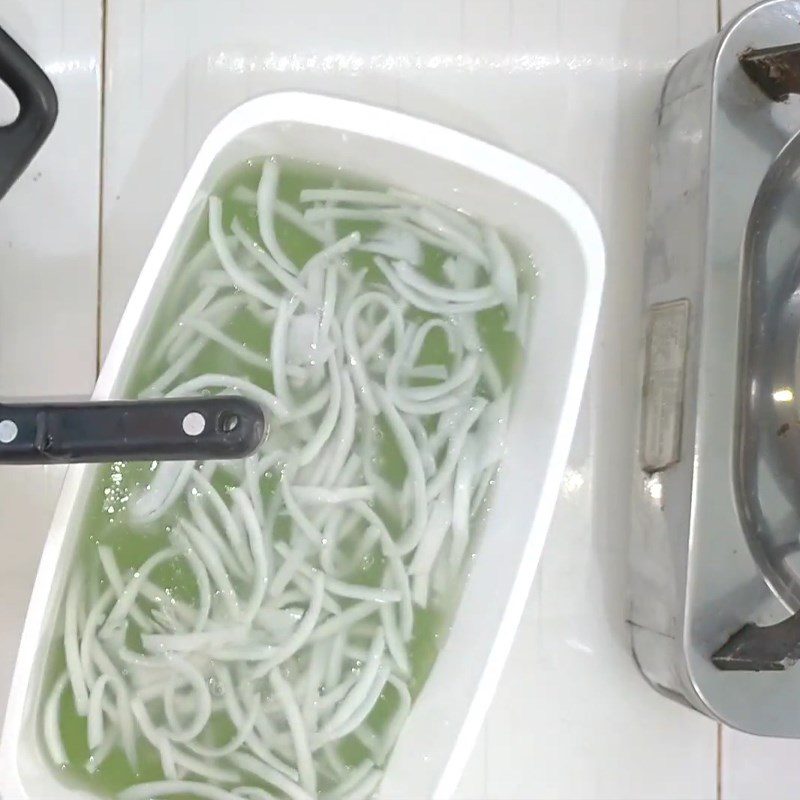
[176, 430]
[38, 109]
[145, 430]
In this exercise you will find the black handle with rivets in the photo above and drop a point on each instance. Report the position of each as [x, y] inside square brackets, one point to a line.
[219, 427]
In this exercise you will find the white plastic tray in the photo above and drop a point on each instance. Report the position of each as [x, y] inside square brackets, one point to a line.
[534, 207]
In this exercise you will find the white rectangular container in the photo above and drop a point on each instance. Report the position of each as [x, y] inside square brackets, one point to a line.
[537, 210]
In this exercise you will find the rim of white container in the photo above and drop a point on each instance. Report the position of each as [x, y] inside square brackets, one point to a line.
[349, 116]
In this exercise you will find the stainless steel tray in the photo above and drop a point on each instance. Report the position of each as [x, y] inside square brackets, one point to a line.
[716, 496]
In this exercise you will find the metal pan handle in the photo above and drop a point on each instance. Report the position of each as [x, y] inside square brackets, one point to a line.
[191, 429]
[38, 108]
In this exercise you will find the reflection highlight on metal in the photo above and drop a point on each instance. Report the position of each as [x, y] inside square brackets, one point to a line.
[572, 482]
[654, 488]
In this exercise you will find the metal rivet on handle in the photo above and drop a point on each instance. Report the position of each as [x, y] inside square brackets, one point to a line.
[8, 431]
[194, 423]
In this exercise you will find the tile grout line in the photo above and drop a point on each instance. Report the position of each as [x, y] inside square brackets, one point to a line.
[101, 178]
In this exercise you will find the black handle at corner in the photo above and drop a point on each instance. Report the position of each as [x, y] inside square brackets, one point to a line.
[220, 427]
[38, 109]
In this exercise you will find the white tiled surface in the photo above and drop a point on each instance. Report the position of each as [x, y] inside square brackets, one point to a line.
[569, 83]
[48, 269]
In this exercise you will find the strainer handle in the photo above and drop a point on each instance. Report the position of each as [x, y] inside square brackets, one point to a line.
[185, 429]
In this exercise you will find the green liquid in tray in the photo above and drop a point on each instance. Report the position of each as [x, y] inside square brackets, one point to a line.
[106, 520]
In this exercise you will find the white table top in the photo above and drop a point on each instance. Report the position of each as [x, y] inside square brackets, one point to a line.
[571, 84]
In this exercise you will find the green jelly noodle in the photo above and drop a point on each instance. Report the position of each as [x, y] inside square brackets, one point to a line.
[260, 628]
